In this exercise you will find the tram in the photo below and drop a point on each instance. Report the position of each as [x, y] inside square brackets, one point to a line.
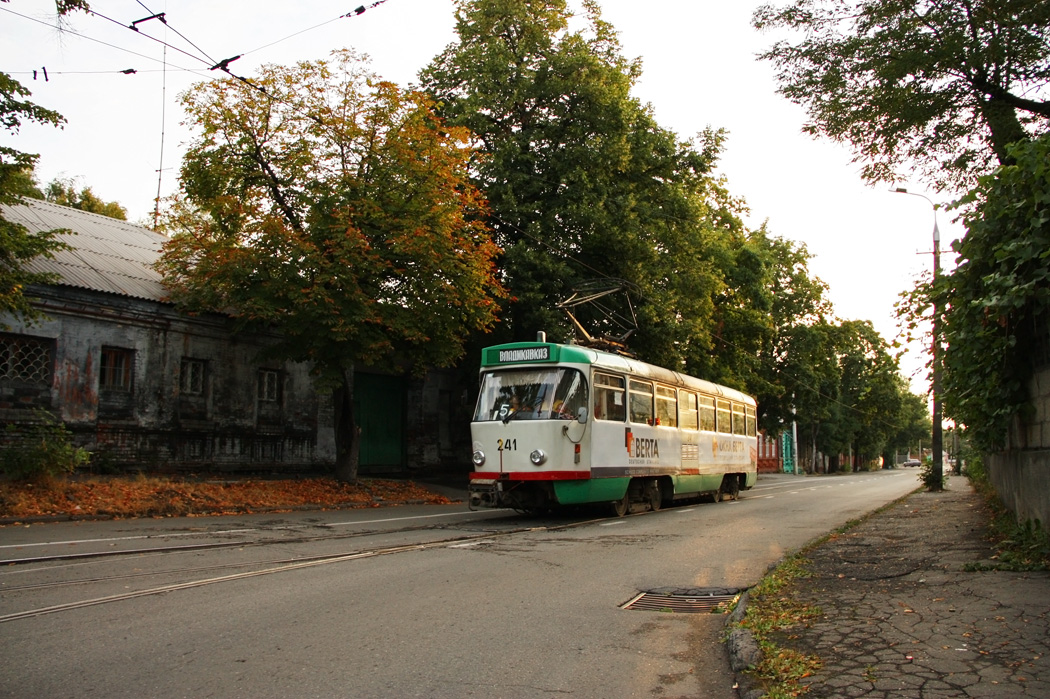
[560, 424]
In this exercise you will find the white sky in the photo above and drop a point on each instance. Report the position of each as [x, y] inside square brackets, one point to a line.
[699, 70]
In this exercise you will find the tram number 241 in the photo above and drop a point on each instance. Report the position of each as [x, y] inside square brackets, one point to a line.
[507, 444]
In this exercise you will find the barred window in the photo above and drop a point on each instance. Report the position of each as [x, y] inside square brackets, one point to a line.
[115, 369]
[26, 359]
[191, 377]
[269, 386]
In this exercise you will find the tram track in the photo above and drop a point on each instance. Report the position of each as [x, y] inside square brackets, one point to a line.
[272, 567]
[187, 548]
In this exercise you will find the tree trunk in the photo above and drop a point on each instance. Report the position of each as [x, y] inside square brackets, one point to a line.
[1004, 126]
[347, 433]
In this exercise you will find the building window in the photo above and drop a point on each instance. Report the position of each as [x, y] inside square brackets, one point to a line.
[269, 386]
[115, 369]
[25, 359]
[191, 377]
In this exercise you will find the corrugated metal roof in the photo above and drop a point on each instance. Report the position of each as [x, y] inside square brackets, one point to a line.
[105, 254]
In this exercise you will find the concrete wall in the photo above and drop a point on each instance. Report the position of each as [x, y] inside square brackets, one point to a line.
[1021, 473]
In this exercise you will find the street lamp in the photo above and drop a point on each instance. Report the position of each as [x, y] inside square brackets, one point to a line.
[938, 466]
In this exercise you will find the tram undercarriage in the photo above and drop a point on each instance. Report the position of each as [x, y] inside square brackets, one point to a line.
[523, 496]
[643, 494]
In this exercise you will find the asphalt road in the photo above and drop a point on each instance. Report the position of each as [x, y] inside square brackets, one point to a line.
[431, 601]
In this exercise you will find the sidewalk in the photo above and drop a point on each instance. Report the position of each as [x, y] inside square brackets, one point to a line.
[902, 617]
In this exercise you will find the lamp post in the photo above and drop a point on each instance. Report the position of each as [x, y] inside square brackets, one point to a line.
[937, 482]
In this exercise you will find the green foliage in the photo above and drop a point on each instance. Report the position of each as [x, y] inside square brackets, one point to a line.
[17, 245]
[582, 183]
[39, 450]
[65, 192]
[933, 86]
[996, 300]
[932, 480]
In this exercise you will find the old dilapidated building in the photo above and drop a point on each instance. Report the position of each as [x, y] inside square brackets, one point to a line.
[145, 387]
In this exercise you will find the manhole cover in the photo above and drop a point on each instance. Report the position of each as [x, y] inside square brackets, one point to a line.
[692, 603]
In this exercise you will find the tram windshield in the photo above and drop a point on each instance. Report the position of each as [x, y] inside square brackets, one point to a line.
[554, 393]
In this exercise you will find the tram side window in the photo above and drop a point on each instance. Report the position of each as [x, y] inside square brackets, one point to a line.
[738, 419]
[707, 414]
[750, 418]
[666, 407]
[725, 417]
[641, 402]
[609, 398]
[687, 410]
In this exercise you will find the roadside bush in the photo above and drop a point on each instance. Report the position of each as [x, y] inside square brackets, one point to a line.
[932, 481]
[39, 450]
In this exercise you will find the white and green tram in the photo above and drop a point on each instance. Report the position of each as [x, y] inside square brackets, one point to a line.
[569, 425]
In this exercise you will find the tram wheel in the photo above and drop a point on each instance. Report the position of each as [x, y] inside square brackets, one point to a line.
[622, 506]
[734, 488]
[652, 495]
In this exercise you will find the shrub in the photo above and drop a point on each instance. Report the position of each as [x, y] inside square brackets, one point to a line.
[933, 481]
[39, 450]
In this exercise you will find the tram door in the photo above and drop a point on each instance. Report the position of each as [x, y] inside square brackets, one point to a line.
[379, 407]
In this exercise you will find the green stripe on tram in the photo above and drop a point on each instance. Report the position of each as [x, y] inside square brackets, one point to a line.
[590, 490]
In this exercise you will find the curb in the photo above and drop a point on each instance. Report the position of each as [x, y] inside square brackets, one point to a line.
[743, 651]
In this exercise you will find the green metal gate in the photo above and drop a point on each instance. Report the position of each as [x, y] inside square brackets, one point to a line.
[379, 407]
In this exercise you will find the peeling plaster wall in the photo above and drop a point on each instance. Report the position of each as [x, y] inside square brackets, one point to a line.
[153, 426]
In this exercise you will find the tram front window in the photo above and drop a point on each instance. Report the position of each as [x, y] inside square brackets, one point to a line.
[531, 394]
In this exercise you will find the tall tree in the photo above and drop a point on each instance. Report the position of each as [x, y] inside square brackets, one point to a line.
[582, 182]
[793, 352]
[939, 86]
[334, 208]
[64, 192]
[17, 244]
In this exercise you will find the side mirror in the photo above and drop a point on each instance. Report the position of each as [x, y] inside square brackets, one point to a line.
[581, 415]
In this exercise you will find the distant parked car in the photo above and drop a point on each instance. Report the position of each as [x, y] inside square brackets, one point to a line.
[912, 462]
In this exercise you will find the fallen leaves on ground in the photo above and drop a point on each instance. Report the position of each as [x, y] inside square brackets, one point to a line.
[162, 497]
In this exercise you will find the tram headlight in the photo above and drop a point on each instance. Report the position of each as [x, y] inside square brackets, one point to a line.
[478, 457]
[538, 457]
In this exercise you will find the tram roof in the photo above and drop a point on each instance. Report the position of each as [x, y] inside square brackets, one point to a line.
[523, 353]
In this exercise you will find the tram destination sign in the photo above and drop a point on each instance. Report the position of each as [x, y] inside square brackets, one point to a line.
[520, 353]
[525, 354]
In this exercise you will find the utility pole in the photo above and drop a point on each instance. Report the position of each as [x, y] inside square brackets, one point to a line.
[937, 480]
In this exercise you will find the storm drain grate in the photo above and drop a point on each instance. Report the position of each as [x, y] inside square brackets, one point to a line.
[702, 602]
